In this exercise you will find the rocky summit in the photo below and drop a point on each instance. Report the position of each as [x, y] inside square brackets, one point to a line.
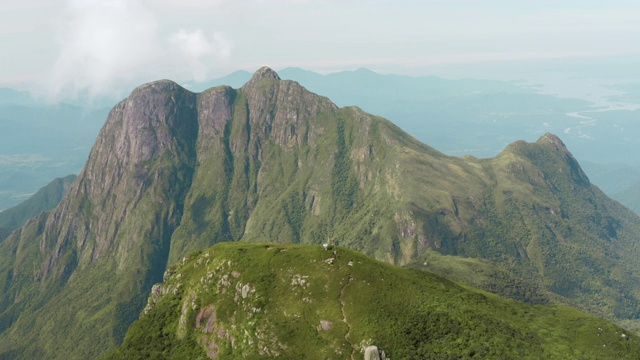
[174, 172]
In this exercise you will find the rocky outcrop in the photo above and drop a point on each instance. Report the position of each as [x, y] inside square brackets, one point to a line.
[373, 353]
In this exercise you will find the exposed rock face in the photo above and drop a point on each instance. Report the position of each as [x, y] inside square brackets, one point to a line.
[141, 161]
[325, 325]
[117, 218]
[373, 353]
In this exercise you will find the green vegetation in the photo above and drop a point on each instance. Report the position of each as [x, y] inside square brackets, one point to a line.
[484, 275]
[251, 301]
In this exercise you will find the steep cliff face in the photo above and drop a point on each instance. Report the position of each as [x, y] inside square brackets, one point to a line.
[174, 172]
[133, 186]
[249, 136]
[109, 238]
[280, 163]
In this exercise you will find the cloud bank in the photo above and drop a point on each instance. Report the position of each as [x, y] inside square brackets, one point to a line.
[106, 47]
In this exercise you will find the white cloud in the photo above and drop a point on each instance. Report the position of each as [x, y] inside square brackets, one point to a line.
[106, 47]
[197, 50]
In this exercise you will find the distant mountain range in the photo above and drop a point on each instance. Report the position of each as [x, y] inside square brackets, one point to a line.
[174, 172]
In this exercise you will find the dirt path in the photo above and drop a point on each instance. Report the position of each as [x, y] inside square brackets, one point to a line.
[344, 317]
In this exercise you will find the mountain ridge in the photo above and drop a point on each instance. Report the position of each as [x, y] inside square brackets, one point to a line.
[174, 172]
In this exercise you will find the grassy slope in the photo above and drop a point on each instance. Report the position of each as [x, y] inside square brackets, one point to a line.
[485, 275]
[582, 242]
[291, 290]
[91, 309]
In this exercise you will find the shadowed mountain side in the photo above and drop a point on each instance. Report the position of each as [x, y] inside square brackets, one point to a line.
[174, 172]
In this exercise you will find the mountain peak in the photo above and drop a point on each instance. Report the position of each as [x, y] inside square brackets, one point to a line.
[265, 72]
[550, 155]
[547, 140]
[158, 85]
[553, 140]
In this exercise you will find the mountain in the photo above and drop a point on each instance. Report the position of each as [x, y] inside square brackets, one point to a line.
[463, 116]
[45, 199]
[456, 116]
[4, 232]
[480, 117]
[254, 301]
[174, 172]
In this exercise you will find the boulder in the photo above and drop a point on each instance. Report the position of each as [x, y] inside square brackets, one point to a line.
[371, 353]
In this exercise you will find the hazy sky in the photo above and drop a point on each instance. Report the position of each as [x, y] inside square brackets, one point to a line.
[67, 47]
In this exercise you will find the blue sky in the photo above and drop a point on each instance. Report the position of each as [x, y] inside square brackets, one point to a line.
[63, 48]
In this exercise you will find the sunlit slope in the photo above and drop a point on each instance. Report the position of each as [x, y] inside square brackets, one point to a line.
[253, 301]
